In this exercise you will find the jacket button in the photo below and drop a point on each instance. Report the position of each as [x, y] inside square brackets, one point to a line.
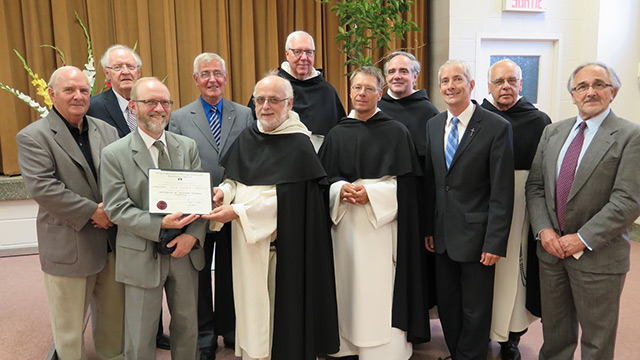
[446, 188]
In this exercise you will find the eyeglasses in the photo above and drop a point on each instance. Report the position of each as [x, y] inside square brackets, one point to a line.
[119, 68]
[297, 52]
[597, 86]
[511, 81]
[206, 75]
[272, 100]
[367, 89]
[153, 103]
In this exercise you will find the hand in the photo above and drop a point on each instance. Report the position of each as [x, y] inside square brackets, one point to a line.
[177, 220]
[551, 242]
[218, 196]
[354, 194]
[571, 244]
[488, 259]
[184, 243]
[428, 243]
[99, 219]
[222, 214]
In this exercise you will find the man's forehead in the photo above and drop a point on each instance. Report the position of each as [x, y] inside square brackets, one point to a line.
[302, 42]
[210, 64]
[591, 72]
[121, 54]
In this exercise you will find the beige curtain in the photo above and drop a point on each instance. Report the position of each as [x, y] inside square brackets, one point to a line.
[248, 34]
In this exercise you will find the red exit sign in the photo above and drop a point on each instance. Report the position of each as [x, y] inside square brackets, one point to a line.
[525, 5]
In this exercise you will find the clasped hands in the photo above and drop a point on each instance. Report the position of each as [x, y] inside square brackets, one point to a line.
[354, 194]
[183, 242]
[221, 213]
[561, 246]
[487, 259]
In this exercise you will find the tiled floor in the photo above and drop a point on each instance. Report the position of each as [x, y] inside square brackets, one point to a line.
[25, 332]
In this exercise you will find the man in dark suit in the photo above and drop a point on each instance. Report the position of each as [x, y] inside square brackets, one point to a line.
[121, 67]
[143, 269]
[469, 175]
[59, 158]
[583, 192]
[214, 123]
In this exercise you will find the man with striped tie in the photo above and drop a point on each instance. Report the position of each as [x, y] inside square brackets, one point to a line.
[214, 123]
[469, 172]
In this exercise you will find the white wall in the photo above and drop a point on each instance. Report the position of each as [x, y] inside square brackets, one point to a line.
[18, 227]
[608, 31]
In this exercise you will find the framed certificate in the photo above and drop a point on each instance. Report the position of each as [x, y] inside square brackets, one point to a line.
[173, 191]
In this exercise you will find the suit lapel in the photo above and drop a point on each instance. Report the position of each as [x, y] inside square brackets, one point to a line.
[65, 140]
[600, 144]
[175, 152]
[228, 117]
[473, 128]
[141, 155]
[113, 108]
[437, 138]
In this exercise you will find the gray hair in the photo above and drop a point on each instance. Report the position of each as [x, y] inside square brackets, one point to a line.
[288, 89]
[466, 69]
[415, 64]
[372, 71]
[503, 61]
[104, 61]
[613, 77]
[206, 58]
[54, 76]
[295, 34]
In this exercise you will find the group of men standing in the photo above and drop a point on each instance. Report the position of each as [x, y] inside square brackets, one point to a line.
[322, 254]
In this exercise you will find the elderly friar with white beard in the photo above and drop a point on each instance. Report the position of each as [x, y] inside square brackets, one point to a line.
[283, 275]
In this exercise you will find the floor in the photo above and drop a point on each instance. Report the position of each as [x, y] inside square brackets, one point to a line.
[25, 332]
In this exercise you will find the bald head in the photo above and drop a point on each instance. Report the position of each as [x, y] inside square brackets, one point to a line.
[273, 97]
[505, 83]
[69, 90]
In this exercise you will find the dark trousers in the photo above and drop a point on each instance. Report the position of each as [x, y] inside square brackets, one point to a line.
[465, 298]
[222, 321]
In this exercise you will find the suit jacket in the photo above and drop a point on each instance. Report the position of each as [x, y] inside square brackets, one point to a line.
[58, 177]
[192, 122]
[125, 179]
[105, 106]
[604, 199]
[474, 197]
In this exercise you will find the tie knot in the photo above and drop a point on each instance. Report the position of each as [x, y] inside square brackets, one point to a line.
[454, 121]
[159, 145]
[583, 125]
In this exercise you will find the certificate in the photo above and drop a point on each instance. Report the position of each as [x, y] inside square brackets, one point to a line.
[172, 191]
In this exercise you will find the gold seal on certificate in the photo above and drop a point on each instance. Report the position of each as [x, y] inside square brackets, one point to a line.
[173, 191]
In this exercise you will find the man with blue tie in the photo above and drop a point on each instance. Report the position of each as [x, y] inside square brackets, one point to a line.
[214, 123]
[583, 192]
[469, 177]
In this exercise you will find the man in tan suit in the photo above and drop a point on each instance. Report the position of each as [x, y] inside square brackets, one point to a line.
[59, 158]
[583, 192]
[144, 270]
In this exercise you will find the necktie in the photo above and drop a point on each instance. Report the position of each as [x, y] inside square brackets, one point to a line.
[214, 125]
[567, 173]
[452, 142]
[131, 120]
[163, 158]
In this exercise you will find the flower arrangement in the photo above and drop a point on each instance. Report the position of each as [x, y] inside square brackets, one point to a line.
[41, 85]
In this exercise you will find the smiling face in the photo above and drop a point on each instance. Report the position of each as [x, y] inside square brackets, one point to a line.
[151, 120]
[70, 94]
[122, 81]
[270, 116]
[505, 84]
[302, 64]
[455, 88]
[211, 80]
[400, 76]
[365, 94]
[592, 102]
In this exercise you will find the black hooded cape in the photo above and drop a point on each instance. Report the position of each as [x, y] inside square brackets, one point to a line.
[356, 149]
[315, 100]
[527, 123]
[305, 319]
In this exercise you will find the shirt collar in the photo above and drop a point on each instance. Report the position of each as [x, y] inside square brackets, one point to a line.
[413, 91]
[593, 123]
[287, 67]
[122, 102]
[148, 140]
[465, 115]
[207, 107]
[72, 128]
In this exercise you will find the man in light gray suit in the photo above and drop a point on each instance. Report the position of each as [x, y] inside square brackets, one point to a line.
[140, 265]
[214, 123]
[583, 192]
[59, 158]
